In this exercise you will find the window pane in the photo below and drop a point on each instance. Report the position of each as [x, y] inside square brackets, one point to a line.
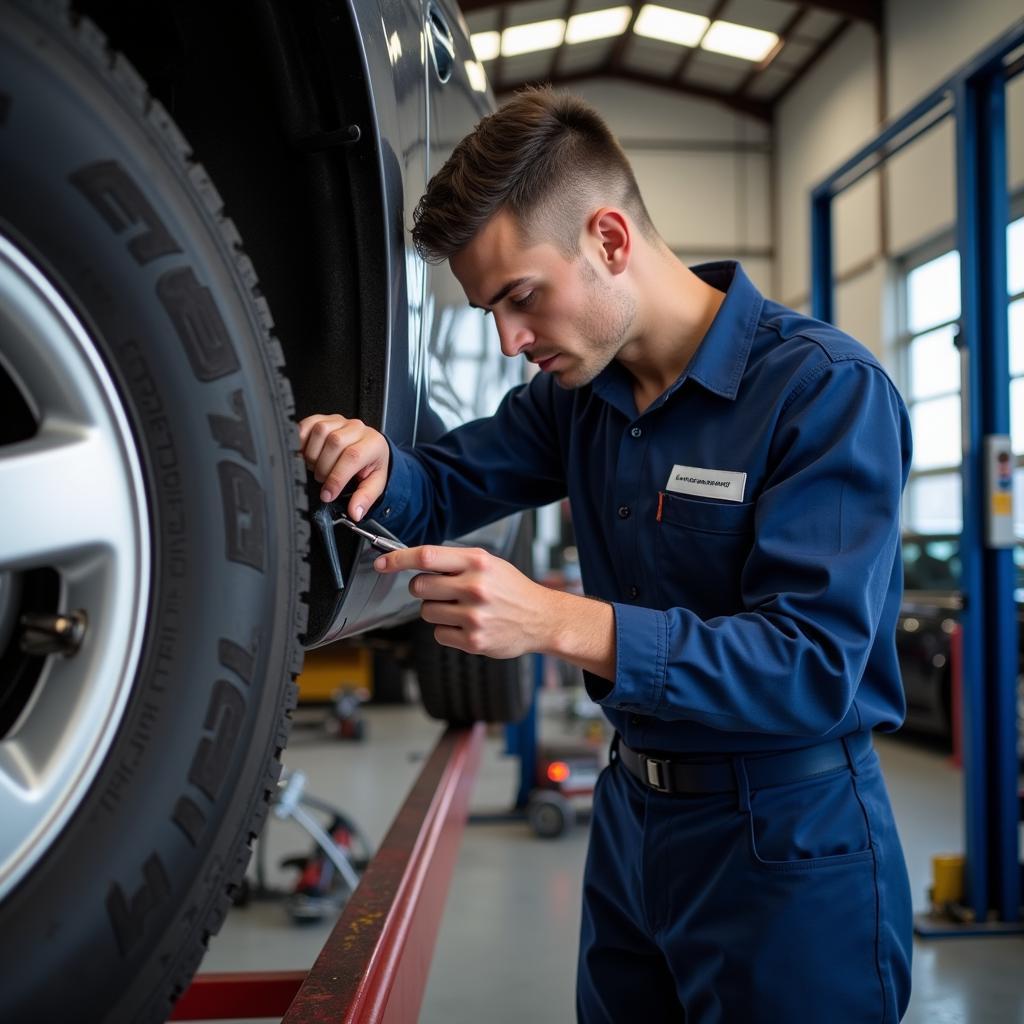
[935, 504]
[936, 426]
[933, 293]
[934, 364]
[931, 565]
[1017, 414]
[1015, 256]
[1017, 337]
[1018, 501]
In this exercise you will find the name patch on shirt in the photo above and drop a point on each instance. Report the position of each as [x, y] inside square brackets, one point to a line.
[707, 483]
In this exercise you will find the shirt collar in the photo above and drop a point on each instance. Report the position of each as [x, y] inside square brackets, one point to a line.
[721, 357]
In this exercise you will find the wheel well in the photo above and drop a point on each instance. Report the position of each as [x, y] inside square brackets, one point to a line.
[251, 87]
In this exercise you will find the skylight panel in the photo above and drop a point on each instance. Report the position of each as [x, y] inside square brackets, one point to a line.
[670, 25]
[741, 41]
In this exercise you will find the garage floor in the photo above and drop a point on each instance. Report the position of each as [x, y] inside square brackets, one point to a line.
[506, 951]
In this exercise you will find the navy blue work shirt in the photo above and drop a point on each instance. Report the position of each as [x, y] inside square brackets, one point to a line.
[744, 527]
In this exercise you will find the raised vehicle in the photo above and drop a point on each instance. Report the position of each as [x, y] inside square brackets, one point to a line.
[203, 237]
[929, 616]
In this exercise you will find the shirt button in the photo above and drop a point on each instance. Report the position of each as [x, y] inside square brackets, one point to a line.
[634, 591]
[386, 512]
[636, 432]
[624, 511]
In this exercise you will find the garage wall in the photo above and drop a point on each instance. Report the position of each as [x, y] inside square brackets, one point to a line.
[838, 107]
[703, 171]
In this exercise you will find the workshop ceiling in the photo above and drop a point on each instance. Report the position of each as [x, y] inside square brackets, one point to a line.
[532, 41]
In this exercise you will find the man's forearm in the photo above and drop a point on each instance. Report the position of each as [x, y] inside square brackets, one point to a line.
[580, 630]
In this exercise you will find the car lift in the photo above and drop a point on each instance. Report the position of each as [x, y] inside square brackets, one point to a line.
[975, 96]
[374, 966]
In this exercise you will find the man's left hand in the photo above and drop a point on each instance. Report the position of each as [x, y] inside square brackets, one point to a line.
[479, 603]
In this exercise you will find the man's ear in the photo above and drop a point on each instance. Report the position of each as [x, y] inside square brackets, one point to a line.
[612, 231]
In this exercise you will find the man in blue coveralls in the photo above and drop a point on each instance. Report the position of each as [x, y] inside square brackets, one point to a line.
[734, 470]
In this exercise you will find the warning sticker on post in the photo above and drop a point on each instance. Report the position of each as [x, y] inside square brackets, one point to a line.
[999, 532]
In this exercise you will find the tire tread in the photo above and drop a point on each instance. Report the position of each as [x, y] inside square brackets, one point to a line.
[86, 39]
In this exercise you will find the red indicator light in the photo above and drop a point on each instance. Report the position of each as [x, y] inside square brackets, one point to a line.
[558, 771]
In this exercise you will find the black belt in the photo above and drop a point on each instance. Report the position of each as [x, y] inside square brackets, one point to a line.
[666, 775]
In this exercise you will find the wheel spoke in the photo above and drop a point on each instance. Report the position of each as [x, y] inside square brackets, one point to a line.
[62, 494]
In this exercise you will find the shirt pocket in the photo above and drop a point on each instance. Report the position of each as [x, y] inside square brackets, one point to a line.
[701, 548]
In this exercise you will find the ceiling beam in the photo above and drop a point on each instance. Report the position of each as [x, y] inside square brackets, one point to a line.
[689, 51]
[785, 33]
[742, 104]
[499, 61]
[860, 10]
[826, 44]
[556, 56]
[614, 61]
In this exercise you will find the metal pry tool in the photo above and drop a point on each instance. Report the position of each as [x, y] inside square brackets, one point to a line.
[377, 540]
[325, 522]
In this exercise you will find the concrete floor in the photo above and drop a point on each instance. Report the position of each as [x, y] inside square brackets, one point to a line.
[507, 946]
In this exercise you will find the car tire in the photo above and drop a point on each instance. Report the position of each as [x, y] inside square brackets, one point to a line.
[461, 688]
[112, 232]
[549, 814]
[388, 679]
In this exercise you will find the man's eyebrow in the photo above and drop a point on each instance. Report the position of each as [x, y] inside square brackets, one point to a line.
[498, 296]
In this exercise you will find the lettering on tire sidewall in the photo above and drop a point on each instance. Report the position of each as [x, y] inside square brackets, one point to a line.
[190, 307]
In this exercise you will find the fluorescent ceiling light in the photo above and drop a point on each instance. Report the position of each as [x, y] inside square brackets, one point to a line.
[476, 76]
[486, 45]
[739, 41]
[670, 25]
[598, 24]
[537, 35]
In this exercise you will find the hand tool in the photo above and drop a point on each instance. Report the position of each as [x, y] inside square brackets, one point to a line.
[377, 540]
[325, 522]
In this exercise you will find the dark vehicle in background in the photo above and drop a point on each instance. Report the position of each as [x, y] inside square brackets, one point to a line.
[929, 616]
[203, 236]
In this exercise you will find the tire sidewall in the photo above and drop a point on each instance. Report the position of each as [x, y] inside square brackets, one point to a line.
[224, 572]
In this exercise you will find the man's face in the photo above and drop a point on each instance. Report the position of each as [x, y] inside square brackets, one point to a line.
[557, 312]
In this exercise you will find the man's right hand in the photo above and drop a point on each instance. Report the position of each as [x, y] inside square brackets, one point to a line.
[338, 450]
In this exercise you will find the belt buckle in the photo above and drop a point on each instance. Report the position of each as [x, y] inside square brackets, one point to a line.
[657, 774]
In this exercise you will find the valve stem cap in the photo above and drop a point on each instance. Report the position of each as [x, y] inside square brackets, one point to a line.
[44, 634]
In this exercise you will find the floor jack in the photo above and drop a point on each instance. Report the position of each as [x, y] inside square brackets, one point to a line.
[329, 873]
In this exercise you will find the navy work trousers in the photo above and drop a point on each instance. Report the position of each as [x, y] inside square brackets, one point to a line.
[785, 905]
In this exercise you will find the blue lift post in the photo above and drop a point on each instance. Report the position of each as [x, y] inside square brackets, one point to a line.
[975, 97]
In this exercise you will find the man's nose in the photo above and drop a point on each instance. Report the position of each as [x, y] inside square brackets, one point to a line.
[514, 337]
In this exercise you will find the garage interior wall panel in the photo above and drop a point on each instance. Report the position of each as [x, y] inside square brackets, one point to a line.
[927, 42]
[922, 190]
[830, 113]
[691, 197]
[856, 226]
[861, 311]
[704, 201]
[833, 111]
[1015, 134]
[638, 111]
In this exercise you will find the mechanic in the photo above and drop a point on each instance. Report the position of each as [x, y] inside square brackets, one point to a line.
[734, 470]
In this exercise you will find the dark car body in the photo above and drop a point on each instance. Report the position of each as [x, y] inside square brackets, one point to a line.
[929, 617]
[443, 362]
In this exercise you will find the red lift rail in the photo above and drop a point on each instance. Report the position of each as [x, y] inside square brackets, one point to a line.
[373, 969]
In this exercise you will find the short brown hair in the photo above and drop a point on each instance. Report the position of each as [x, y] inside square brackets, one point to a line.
[545, 157]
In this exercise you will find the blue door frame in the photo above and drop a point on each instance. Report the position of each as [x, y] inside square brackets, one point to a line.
[976, 98]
